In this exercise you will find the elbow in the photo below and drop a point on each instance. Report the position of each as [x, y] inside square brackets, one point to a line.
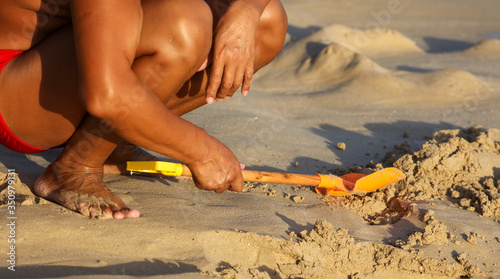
[112, 98]
[115, 100]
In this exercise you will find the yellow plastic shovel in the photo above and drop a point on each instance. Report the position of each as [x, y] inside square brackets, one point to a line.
[325, 184]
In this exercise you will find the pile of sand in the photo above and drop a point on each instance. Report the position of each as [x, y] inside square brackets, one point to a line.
[325, 252]
[23, 194]
[435, 233]
[335, 61]
[462, 165]
[459, 165]
[486, 47]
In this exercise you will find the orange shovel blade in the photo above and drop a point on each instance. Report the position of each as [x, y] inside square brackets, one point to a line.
[378, 180]
[356, 182]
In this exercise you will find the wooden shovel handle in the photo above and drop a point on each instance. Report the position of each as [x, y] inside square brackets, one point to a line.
[272, 177]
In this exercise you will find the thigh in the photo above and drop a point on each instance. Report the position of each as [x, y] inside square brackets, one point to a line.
[176, 38]
[39, 92]
[39, 98]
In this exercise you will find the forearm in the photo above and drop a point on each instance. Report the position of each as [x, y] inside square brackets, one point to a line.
[139, 117]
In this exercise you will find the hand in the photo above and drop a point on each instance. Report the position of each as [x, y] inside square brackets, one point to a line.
[233, 52]
[218, 170]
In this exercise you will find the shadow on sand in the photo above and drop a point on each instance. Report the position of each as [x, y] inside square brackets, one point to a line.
[139, 268]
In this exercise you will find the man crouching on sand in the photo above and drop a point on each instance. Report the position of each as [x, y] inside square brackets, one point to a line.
[102, 77]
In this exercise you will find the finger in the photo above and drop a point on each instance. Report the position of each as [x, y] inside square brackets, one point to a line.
[197, 183]
[215, 80]
[245, 88]
[223, 188]
[213, 187]
[227, 81]
[238, 80]
[238, 182]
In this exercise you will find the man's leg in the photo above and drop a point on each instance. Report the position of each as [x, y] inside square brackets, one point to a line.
[270, 37]
[75, 179]
[157, 74]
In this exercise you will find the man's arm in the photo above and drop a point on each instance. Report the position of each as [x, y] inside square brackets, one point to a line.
[107, 34]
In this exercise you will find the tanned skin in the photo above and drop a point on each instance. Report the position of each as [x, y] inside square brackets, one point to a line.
[102, 77]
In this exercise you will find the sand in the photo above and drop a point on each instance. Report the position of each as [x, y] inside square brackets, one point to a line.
[359, 86]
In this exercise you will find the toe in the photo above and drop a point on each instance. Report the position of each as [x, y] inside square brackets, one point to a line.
[121, 211]
[83, 208]
[118, 215]
[95, 211]
[133, 214]
[127, 213]
[107, 213]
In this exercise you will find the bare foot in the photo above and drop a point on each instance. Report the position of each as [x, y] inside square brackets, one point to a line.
[81, 189]
[117, 161]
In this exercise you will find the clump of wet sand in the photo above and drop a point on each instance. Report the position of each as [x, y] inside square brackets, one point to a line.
[459, 165]
[435, 233]
[326, 252]
[21, 192]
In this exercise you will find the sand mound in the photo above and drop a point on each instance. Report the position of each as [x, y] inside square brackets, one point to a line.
[335, 65]
[333, 69]
[344, 71]
[339, 69]
[326, 252]
[489, 47]
[370, 42]
[462, 166]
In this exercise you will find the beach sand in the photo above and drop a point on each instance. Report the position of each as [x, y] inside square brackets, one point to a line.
[410, 84]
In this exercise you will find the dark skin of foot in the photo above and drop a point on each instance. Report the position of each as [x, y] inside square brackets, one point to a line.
[81, 189]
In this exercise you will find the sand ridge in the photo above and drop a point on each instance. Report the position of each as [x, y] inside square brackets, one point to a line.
[486, 47]
[334, 64]
[326, 252]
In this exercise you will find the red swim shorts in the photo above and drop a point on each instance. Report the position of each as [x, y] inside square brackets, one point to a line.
[7, 137]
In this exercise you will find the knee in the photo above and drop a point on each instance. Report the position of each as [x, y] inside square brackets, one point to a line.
[272, 29]
[185, 33]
